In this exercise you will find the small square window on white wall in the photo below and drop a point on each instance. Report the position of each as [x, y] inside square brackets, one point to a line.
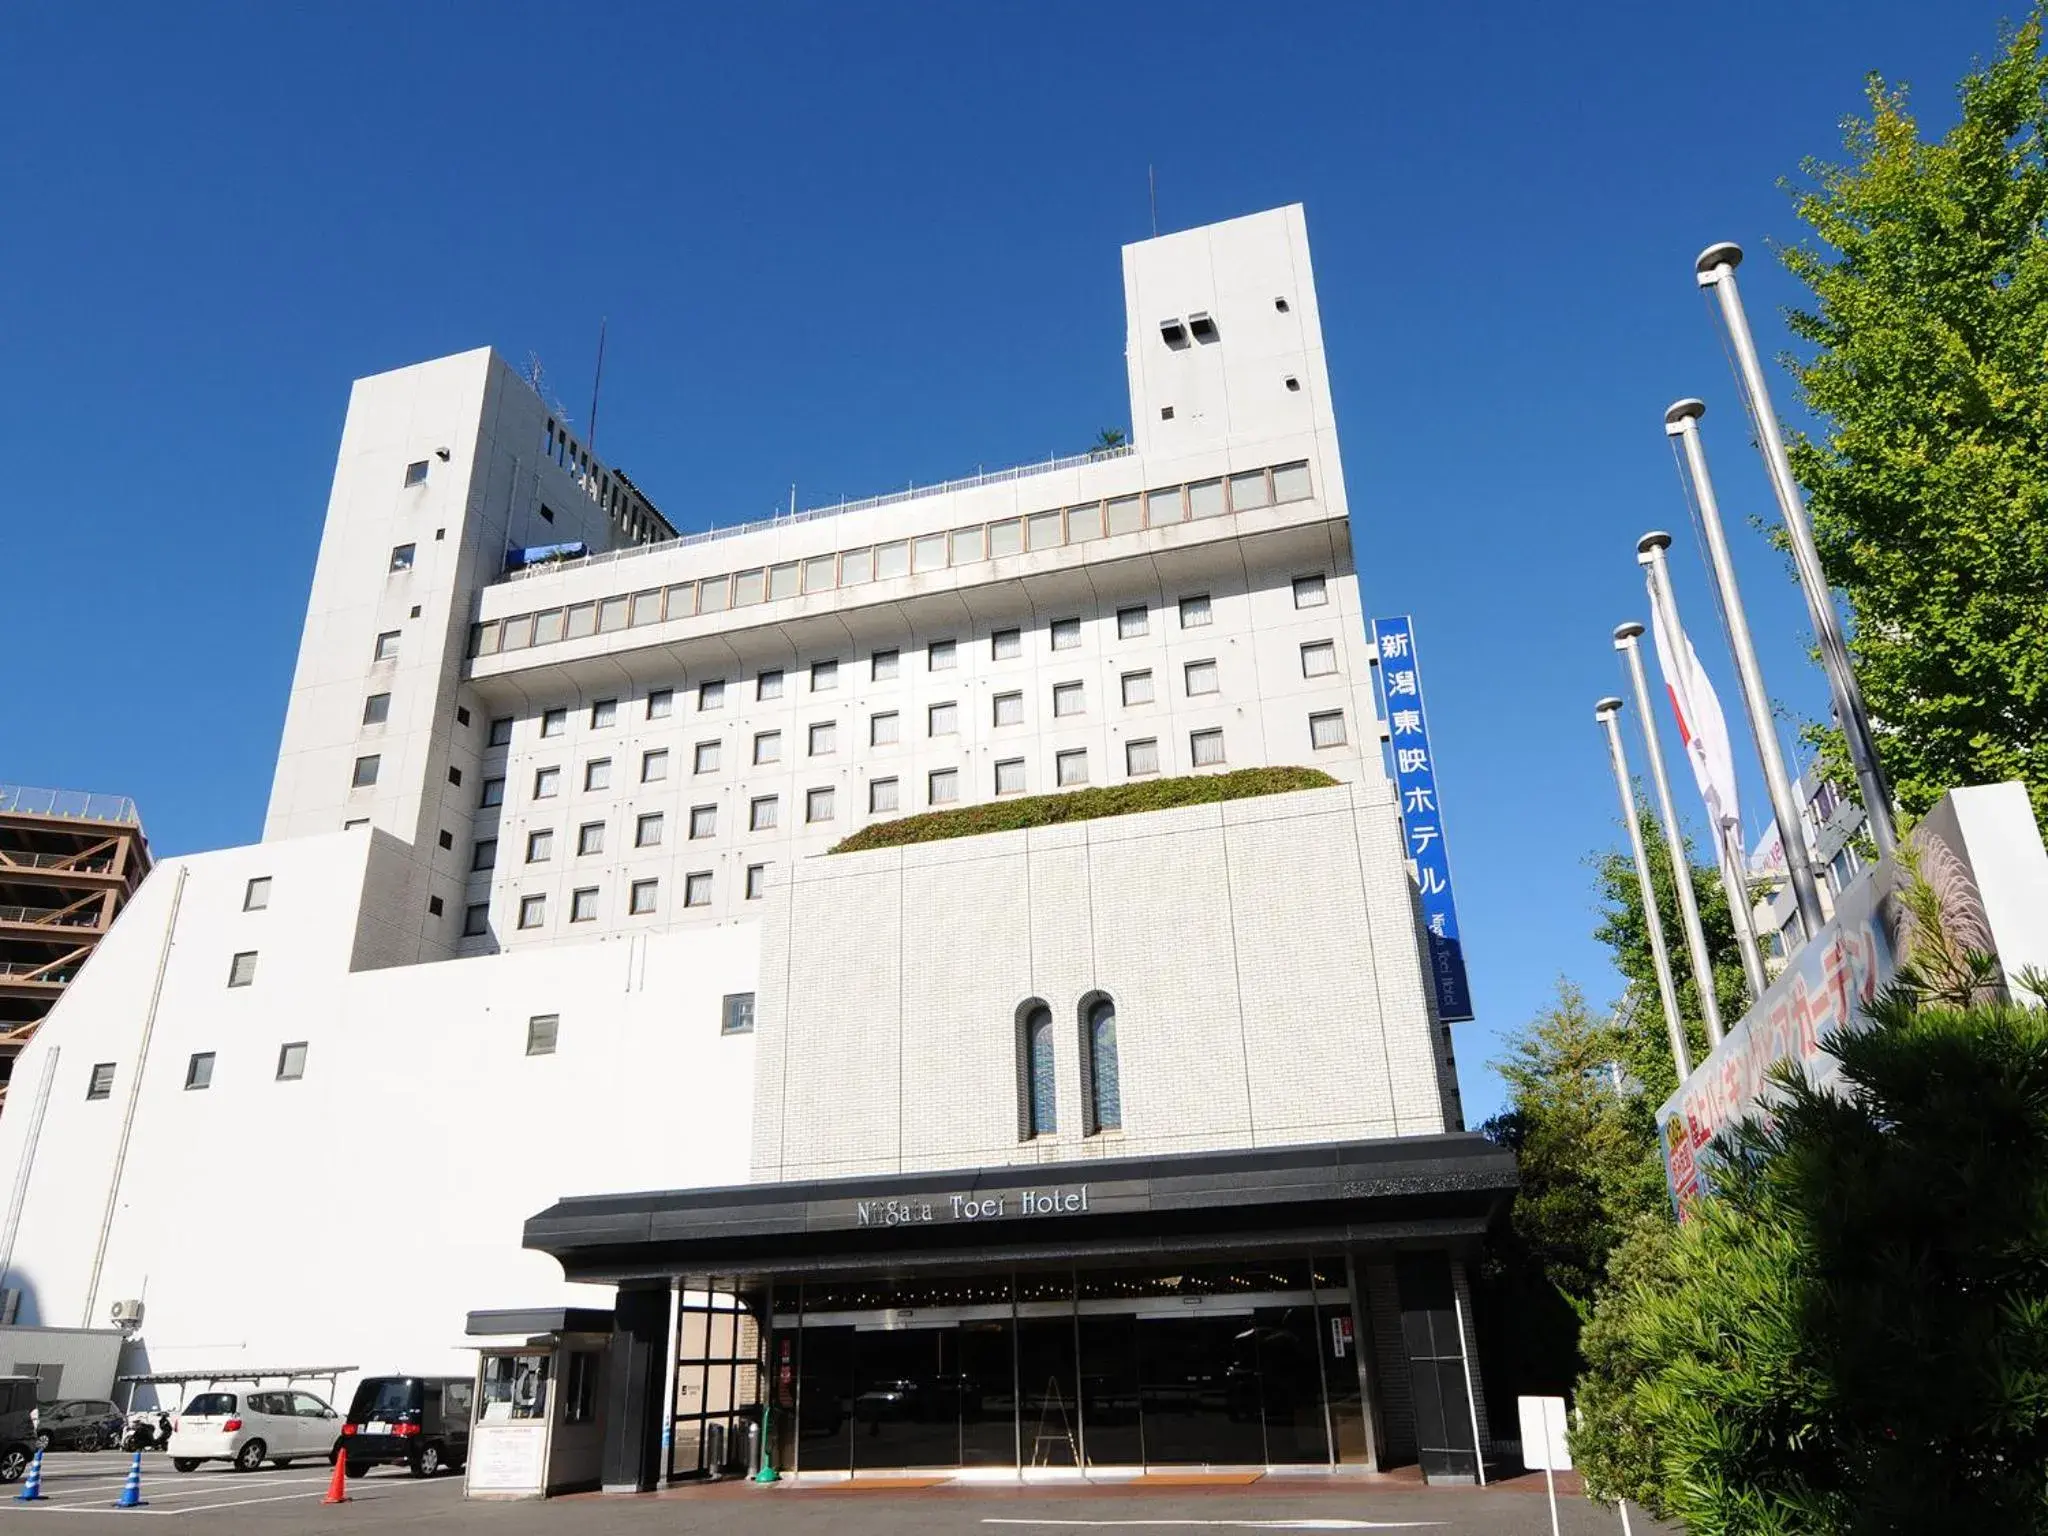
[493, 793]
[765, 814]
[736, 1017]
[883, 665]
[1290, 483]
[291, 1062]
[1066, 634]
[769, 684]
[1141, 757]
[881, 797]
[199, 1071]
[697, 889]
[1201, 678]
[1132, 622]
[647, 829]
[387, 646]
[884, 730]
[583, 905]
[757, 881]
[824, 738]
[377, 709]
[604, 714]
[597, 773]
[590, 838]
[1009, 709]
[100, 1084]
[1195, 612]
[542, 1031]
[365, 772]
[661, 703]
[706, 757]
[1205, 748]
[943, 656]
[242, 969]
[1318, 658]
[1326, 730]
[1137, 688]
[1006, 644]
[547, 783]
[654, 765]
[1068, 699]
[943, 786]
[818, 804]
[540, 846]
[1072, 766]
[824, 676]
[1010, 776]
[501, 732]
[642, 896]
[711, 695]
[533, 911]
[703, 821]
[1310, 592]
[416, 473]
[256, 894]
[554, 722]
[476, 919]
[944, 720]
[767, 747]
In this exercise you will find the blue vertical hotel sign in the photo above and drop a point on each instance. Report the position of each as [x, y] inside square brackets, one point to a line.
[1421, 818]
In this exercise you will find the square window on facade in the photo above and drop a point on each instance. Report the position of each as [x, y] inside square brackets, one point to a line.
[387, 646]
[647, 830]
[642, 896]
[1009, 709]
[1131, 623]
[757, 881]
[943, 720]
[1290, 482]
[1006, 644]
[661, 703]
[493, 793]
[1205, 748]
[943, 656]
[824, 738]
[824, 676]
[484, 855]
[434, 906]
[543, 1029]
[711, 695]
[416, 473]
[501, 732]
[461, 714]
[1318, 658]
[1137, 688]
[597, 773]
[1072, 766]
[604, 713]
[1202, 679]
[767, 747]
[765, 814]
[402, 557]
[1310, 592]
[533, 911]
[256, 894]
[883, 665]
[769, 684]
[1068, 699]
[583, 904]
[703, 821]
[476, 919]
[654, 764]
[291, 1062]
[882, 799]
[445, 839]
[737, 1016]
[1010, 776]
[1141, 757]
[705, 757]
[1326, 730]
[455, 777]
[101, 1084]
[589, 838]
[199, 1071]
[1195, 612]
[377, 709]
[547, 783]
[884, 730]
[540, 846]
[365, 773]
[697, 889]
[942, 786]
[242, 969]
[818, 804]
[554, 722]
[1066, 634]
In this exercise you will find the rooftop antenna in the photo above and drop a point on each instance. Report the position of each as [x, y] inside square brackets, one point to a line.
[1152, 186]
[597, 383]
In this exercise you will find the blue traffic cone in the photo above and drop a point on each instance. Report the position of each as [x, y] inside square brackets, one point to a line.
[131, 1491]
[32, 1489]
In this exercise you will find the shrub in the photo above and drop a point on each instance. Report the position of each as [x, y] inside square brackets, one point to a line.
[1083, 805]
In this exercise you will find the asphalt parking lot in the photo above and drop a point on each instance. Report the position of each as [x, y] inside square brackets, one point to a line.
[81, 1489]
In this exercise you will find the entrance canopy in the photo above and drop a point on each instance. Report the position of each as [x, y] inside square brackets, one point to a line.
[1407, 1192]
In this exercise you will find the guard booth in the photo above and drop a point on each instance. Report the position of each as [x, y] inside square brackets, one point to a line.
[540, 1416]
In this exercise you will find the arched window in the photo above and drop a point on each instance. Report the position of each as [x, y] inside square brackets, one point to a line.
[1038, 1112]
[1105, 1084]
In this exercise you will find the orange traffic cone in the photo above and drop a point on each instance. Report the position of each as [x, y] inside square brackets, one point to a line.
[337, 1488]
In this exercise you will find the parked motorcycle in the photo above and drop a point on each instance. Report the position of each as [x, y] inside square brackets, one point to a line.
[147, 1432]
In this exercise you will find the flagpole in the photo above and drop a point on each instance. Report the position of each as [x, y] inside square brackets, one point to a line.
[1715, 269]
[1625, 638]
[1667, 991]
[1682, 421]
[1741, 905]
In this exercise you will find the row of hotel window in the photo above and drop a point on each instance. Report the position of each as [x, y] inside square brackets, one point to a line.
[1038, 1076]
[900, 557]
[643, 899]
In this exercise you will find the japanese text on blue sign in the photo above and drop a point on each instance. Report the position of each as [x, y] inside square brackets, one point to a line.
[1421, 817]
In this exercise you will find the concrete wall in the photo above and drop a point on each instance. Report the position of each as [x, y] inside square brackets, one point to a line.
[1261, 955]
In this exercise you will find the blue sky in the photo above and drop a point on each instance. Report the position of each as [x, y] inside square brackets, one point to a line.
[852, 246]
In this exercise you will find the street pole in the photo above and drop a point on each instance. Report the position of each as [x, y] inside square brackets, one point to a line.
[1625, 638]
[1605, 712]
[1682, 421]
[1715, 269]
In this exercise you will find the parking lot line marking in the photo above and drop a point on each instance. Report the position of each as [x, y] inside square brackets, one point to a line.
[1310, 1524]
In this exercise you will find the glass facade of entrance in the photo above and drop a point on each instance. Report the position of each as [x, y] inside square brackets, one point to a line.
[1247, 1364]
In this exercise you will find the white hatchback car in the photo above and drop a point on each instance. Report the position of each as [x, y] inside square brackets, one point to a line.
[250, 1428]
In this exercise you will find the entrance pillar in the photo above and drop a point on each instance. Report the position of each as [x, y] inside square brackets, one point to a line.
[633, 1381]
[1368, 1376]
[1433, 1338]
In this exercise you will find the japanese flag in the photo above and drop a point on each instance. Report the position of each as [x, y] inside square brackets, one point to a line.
[1700, 721]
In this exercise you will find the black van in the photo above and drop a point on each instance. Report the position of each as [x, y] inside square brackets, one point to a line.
[419, 1421]
[17, 1425]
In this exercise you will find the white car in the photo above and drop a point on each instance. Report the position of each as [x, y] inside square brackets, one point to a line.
[250, 1428]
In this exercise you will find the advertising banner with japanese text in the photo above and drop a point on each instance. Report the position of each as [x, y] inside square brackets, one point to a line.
[1421, 818]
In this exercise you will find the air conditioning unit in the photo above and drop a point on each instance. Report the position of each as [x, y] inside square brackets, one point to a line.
[126, 1314]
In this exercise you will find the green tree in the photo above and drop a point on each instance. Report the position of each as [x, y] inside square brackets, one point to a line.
[1928, 483]
[1108, 440]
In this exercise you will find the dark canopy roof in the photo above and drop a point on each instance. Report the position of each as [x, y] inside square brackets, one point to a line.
[1405, 1191]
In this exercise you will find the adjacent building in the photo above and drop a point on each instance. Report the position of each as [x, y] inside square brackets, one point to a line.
[1121, 1142]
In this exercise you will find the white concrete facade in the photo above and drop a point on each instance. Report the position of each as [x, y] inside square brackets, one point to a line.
[350, 1171]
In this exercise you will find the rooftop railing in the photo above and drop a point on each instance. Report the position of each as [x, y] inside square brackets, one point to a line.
[71, 804]
[838, 509]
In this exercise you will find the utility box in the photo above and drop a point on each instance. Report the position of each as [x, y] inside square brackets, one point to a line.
[539, 1427]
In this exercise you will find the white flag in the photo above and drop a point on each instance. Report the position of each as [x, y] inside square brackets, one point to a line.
[1700, 721]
